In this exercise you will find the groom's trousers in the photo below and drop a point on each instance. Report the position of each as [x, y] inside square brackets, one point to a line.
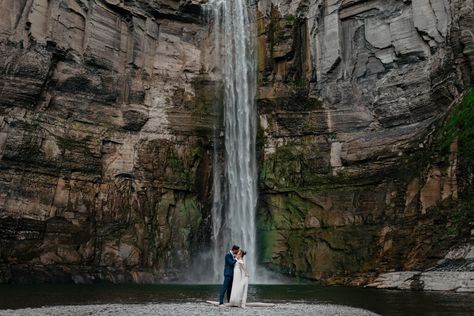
[226, 287]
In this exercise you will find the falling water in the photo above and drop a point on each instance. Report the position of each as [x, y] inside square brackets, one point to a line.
[235, 183]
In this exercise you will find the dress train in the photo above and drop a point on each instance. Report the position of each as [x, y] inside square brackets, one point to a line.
[238, 295]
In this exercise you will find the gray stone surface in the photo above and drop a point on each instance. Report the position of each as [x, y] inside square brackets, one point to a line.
[455, 272]
[189, 309]
[428, 281]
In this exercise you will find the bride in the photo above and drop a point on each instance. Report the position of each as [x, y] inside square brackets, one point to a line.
[238, 296]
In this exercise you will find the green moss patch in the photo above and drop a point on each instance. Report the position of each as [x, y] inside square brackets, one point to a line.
[290, 18]
[470, 46]
[460, 126]
[462, 218]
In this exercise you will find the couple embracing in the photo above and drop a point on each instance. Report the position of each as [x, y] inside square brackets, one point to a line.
[236, 278]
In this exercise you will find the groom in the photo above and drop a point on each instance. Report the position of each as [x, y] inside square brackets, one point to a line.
[228, 274]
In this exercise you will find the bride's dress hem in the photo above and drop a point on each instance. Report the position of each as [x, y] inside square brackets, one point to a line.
[238, 296]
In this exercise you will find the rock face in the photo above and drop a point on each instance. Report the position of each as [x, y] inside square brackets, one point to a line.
[455, 272]
[107, 113]
[351, 98]
[461, 282]
[106, 116]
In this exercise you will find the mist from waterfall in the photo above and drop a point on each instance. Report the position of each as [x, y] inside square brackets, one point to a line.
[235, 182]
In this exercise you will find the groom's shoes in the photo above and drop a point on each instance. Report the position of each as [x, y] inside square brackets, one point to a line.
[221, 305]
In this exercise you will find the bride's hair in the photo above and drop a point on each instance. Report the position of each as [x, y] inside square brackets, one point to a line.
[243, 252]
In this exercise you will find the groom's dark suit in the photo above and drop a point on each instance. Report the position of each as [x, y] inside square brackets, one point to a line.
[228, 276]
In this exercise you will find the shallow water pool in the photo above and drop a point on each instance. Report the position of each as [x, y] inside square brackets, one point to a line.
[383, 302]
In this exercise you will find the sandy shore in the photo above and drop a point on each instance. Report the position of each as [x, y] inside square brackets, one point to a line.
[188, 309]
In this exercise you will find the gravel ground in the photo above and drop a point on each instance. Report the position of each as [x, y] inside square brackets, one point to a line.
[188, 309]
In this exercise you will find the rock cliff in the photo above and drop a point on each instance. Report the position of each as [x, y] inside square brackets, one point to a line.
[107, 114]
[106, 117]
[352, 97]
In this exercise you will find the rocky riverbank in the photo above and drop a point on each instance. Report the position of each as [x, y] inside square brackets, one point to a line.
[188, 309]
[455, 272]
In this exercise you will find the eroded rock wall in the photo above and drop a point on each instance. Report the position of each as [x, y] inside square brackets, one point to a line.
[351, 94]
[106, 115]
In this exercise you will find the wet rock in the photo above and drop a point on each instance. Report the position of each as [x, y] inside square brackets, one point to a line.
[359, 179]
[453, 273]
[428, 281]
[99, 160]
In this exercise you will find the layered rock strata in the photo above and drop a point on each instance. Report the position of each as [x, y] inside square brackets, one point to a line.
[351, 97]
[106, 116]
[455, 272]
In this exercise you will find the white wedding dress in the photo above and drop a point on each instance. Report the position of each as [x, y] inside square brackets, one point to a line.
[238, 294]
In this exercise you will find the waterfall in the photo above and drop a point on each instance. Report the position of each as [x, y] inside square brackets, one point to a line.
[235, 182]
